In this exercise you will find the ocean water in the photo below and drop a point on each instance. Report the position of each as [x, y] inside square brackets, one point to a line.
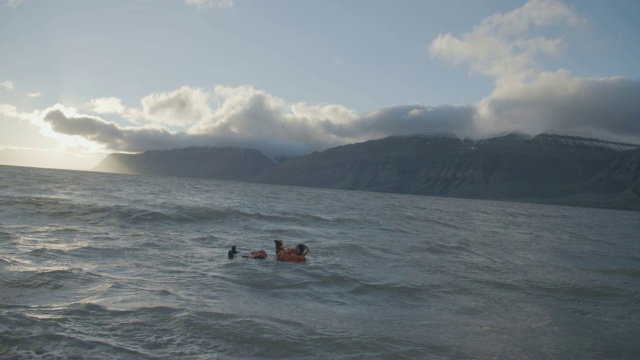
[111, 266]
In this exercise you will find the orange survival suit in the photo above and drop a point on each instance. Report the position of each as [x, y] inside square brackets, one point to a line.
[295, 254]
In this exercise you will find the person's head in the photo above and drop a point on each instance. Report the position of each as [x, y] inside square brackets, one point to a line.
[278, 245]
[300, 249]
[233, 249]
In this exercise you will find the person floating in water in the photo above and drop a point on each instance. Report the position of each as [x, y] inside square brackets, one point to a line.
[232, 252]
[296, 254]
[258, 254]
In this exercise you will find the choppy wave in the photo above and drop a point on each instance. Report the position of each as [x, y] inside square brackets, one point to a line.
[104, 266]
[92, 213]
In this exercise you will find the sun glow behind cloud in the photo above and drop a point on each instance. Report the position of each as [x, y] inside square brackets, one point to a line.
[69, 152]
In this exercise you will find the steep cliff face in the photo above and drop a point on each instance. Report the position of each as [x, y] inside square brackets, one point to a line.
[382, 165]
[501, 167]
[626, 169]
[517, 167]
[218, 163]
[618, 186]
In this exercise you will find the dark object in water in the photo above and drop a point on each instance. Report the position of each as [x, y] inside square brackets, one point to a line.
[258, 254]
[232, 252]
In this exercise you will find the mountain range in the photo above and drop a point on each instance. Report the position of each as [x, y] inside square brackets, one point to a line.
[547, 168]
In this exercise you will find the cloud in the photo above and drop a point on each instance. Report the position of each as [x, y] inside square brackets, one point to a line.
[246, 117]
[14, 3]
[91, 128]
[181, 107]
[503, 46]
[201, 4]
[599, 107]
[7, 85]
[107, 105]
[112, 136]
[34, 94]
[256, 116]
[529, 98]
[8, 111]
[408, 120]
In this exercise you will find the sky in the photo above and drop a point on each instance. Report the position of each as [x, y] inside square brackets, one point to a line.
[81, 79]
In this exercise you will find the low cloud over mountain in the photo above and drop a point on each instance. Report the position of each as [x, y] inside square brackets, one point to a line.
[599, 107]
[247, 117]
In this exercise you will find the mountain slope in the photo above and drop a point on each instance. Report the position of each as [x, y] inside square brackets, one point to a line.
[219, 163]
[545, 168]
